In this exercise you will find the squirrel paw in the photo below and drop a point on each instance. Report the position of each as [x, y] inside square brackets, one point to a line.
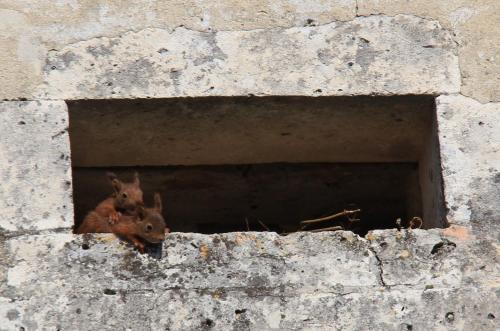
[140, 247]
[113, 218]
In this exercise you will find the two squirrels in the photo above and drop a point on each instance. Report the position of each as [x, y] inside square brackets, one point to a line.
[124, 214]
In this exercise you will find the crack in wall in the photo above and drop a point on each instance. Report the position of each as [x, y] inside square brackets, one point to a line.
[380, 267]
[251, 291]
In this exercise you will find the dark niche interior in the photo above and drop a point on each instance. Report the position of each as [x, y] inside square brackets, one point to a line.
[264, 164]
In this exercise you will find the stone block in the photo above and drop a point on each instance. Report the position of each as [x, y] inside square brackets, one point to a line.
[366, 56]
[469, 137]
[474, 24]
[20, 55]
[35, 155]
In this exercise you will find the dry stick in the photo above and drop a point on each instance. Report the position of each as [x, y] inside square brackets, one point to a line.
[305, 223]
[331, 228]
[264, 226]
[246, 221]
[344, 213]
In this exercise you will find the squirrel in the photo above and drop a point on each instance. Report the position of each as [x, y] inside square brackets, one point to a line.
[127, 197]
[146, 225]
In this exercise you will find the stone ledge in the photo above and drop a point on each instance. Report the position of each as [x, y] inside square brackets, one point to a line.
[259, 279]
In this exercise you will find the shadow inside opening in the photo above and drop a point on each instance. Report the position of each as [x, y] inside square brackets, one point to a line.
[227, 164]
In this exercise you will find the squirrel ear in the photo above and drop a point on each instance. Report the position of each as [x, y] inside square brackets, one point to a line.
[115, 182]
[158, 205]
[111, 175]
[117, 185]
[137, 182]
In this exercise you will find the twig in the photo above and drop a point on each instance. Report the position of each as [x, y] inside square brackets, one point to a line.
[331, 228]
[344, 213]
[414, 221]
[264, 226]
[248, 226]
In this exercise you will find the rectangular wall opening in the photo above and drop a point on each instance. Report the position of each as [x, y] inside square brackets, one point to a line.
[245, 163]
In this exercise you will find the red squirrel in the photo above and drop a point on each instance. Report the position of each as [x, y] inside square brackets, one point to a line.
[127, 197]
[146, 225]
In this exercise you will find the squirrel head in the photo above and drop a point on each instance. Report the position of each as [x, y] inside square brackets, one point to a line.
[150, 223]
[128, 196]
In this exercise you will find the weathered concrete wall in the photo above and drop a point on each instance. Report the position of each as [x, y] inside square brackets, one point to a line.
[417, 280]
[475, 26]
[469, 133]
[35, 171]
[30, 31]
[437, 279]
[369, 55]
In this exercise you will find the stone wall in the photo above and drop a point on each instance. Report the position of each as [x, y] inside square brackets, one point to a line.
[32, 31]
[52, 51]
[418, 280]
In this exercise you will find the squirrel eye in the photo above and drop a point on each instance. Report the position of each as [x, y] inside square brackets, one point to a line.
[124, 195]
[149, 227]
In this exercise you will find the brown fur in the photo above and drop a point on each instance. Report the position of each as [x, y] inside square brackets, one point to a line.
[125, 200]
[147, 225]
[127, 196]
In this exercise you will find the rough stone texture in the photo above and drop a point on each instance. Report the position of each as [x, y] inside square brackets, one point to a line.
[469, 135]
[374, 55]
[61, 22]
[20, 57]
[30, 29]
[475, 25]
[35, 171]
[420, 280]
